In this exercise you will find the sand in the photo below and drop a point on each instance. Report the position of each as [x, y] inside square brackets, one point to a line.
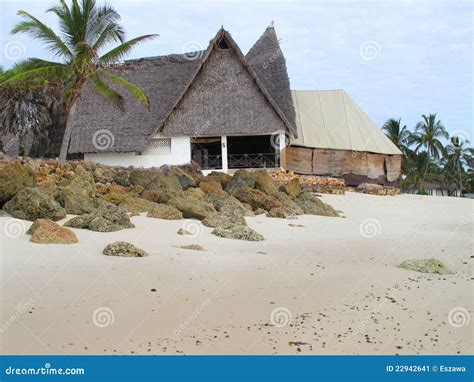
[321, 286]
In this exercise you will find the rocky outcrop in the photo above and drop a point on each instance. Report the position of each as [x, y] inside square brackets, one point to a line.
[45, 231]
[265, 183]
[224, 220]
[257, 199]
[312, 205]
[77, 194]
[241, 180]
[292, 188]
[13, 178]
[211, 187]
[123, 249]
[227, 203]
[426, 266]
[192, 205]
[238, 232]
[377, 189]
[34, 203]
[107, 218]
[157, 186]
[164, 211]
[220, 177]
[185, 180]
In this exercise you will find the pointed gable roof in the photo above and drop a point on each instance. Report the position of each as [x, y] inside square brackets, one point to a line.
[225, 37]
[269, 63]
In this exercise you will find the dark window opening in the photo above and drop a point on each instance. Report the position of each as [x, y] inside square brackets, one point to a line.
[207, 152]
[260, 151]
[223, 44]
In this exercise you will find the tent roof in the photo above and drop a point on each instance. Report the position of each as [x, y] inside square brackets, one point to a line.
[330, 119]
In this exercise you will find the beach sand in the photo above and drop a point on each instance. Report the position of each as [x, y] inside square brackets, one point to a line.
[331, 286]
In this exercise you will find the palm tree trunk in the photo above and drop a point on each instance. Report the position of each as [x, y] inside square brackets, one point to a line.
[70, 112]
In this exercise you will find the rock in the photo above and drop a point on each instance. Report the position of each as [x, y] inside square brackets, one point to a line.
[377, 189]
[185, 179]
[260, 211]
[238, 232]
[111, 174]
[158, 187]
[116, 194]
[192, 207]
[257, 199]
[135, 205]
[4, 214]
[293, 188]
[45, 231]
[312, 205]
[227, 203]
[280, 212]
[13, 178]
[164, 211]
[426, 266]
[196, 193]
[123, 249]
[184, 232]
[33, 203]
[107, 218]
[194, 247]
[288, 206]
[77, 194]
[220, 177]
[224, 220]
[265, 183]
[242, 179]
[212, 187]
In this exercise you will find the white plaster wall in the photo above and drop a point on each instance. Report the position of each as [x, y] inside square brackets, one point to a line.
[180, 154]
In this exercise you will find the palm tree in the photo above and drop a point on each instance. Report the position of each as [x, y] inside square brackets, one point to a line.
[457, 159]
[427, 135]
[397, 134]
[86, 29]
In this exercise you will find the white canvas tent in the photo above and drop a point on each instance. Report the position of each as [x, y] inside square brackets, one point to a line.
[330, 119]
[336, 138]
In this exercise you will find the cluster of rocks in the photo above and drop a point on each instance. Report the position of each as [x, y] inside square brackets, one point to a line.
[312, 183]
[377, 189]
[105, 197]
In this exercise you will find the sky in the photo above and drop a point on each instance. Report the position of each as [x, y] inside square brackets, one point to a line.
[395, 58]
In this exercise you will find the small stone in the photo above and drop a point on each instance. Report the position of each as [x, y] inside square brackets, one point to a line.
[194, 247]
[123, 249]
[238, 232]
[45, 231]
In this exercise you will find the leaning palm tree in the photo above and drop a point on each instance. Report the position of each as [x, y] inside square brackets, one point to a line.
[85, 31]
[427, 135]
[396, 133]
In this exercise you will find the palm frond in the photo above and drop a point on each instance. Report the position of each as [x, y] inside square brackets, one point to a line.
[39, 31]
[124, 49]
[135, 90]
[106, 91]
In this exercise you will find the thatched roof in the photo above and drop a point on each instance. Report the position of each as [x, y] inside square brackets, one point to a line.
[268, 61]
[225, 97]
[168, 81]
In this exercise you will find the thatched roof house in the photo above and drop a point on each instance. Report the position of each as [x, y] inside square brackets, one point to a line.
[335, 137]
[226, 111]
[217, 106]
